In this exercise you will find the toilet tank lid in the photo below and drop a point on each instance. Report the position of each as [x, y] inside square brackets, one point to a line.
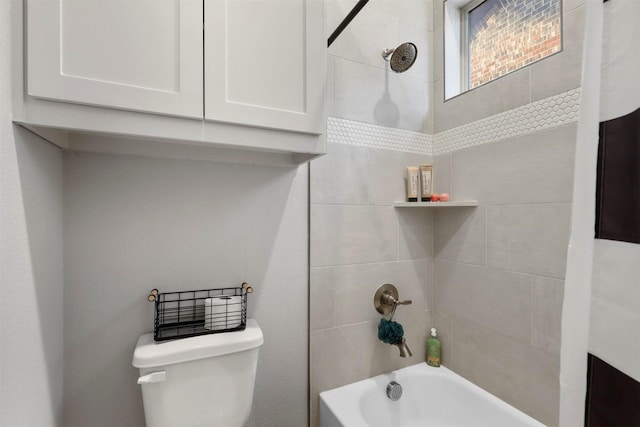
[151, 354]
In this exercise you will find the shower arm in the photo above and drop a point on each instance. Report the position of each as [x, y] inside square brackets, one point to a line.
[356, 9]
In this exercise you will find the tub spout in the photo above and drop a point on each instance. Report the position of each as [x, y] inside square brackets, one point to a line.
[404, 350]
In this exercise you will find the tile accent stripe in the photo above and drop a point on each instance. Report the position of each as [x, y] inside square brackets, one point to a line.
[537, 116]
[374, 136]
[541, 115]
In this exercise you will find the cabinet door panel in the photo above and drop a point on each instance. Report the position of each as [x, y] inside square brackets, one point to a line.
[264, 63]
[129, 54]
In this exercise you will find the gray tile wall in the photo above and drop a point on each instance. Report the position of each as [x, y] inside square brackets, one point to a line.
[359, 241]
[489, 278]
[499, 268]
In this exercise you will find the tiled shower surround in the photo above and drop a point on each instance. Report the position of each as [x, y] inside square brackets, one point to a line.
[359, 241]
[490, 277]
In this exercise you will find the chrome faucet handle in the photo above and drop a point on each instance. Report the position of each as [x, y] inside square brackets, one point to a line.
[407, 302]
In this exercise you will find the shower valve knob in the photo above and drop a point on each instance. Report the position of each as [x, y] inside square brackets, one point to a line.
[386, 298]
[389, 299]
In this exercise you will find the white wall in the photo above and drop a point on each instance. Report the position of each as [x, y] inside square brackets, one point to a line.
[132, 224]
[31, 277]
[31, 280]
[136, 223]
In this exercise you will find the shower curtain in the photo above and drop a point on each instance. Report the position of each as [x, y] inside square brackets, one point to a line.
[600, 357]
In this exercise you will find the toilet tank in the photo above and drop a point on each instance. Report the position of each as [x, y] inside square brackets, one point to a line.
[205, 380]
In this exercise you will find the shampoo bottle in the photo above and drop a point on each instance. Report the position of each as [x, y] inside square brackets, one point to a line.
[434, 349]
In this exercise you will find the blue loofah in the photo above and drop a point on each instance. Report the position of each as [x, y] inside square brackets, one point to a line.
[390, 332]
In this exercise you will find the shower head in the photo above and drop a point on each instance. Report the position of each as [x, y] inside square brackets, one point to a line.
[402, 57]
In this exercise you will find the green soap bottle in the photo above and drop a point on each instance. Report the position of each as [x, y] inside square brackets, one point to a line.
[434, 349]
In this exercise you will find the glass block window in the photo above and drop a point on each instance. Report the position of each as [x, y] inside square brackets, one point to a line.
[504, 35]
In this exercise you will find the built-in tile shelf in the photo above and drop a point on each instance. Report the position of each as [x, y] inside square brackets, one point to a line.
[451, 204]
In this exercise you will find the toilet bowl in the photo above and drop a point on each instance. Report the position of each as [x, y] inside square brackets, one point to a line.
[206, 380]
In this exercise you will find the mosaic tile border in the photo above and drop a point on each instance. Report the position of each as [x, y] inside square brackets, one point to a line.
[361, 134]
[537, 116]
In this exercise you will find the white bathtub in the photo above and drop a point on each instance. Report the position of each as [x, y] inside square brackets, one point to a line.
[431, 397]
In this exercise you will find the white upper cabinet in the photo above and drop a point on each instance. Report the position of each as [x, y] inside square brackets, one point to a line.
[243, 75]
[262, 65]
[132, 54]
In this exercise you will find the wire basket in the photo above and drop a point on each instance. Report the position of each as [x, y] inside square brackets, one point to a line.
[191, 313]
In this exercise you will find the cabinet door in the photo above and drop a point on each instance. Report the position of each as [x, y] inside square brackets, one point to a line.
[264, 63]
[143, 55]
